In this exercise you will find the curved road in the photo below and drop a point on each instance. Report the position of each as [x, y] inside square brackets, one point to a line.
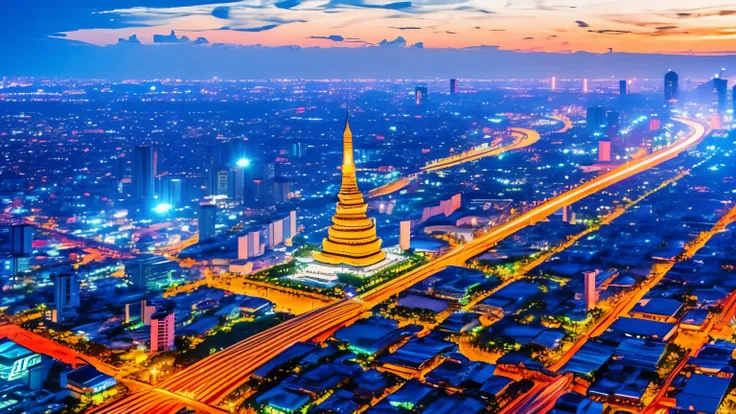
[210, 380]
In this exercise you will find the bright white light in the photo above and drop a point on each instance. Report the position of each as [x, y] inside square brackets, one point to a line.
[162, 208]
[243, 162]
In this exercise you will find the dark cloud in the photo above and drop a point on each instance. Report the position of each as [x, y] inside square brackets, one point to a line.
[551, 37]
[496, 30]
[334, 38]
[361, 3]
[406, 28]
[287, 4]
[610, 32]
[263, 28]
[398, 42]
[666, 27]
[221, 12]
[582, 23]
[529, 38]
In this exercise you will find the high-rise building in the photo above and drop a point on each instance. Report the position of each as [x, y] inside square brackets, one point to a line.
[720, 94]
[604, 150]
[223, 174]
[553, 83]
[421, 94]
[254, 244]
[453, 86]
[162, 331]
[275, 233]
[595, 118]
[281, 188]
[66, 295]
[207, 220]
[171, 190]
[591, 296]
[243, 247]
[733, 99]
[613, 118]
[139, 311]
[585, 85]
[293, 228]
[352, 238]
[21, 237]
[405, 235]
[670, 87]
[623, 87]
[143, 173]
[236, 183]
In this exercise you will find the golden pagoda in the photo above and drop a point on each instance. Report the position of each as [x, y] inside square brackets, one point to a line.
[351, 240]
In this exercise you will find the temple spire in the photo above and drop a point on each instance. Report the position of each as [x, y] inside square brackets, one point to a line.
[347, 143]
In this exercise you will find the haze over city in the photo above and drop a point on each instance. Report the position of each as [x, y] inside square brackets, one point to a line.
[367, 206]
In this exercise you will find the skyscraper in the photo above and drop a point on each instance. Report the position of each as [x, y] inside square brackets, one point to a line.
[585, 85]
[21, 236]
[236, 183]
[66, 295]
[171, 190]
[553, 83]
[207, 221]
[352, 238]
[720, 94]
[162, 331]
[143, 173]
[670, 87]
[623, 87]
[453, 86]
[421, 94]
[595, 118]
[733, 98]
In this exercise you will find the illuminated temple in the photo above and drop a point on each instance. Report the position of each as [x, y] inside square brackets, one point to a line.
[351, 240]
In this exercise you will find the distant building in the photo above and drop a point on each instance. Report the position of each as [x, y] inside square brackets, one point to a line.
[143, 173]
[243, 247]
[553, 83]
[162, 331]
[255, 248]
[405, 235]
[171, 190]
[293, 228]
[275, 233]
[595, 119]
[453, 86]
[221, 182]
[585, 85]
[604, 151]
[671, 91]
[21, 236]
[591, 296]
[421, 94]
[144, 270]
[207, 221]
[236, 183]
[66, 295]
[19, 365]
[623, 87]
[720, 94]
[139, 311]
[733, 98]
[281, 190]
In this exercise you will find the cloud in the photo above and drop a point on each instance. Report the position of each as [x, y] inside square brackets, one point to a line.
[610, 32]
[418, 45]
[221, 12]
[334, 38]
[398, 42]
[287, 4]
[361, 3]
[529, 38]
[582, 23]
[257, 29]
[406, 28]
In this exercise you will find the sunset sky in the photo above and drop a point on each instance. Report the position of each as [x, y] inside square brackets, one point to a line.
[642, 26]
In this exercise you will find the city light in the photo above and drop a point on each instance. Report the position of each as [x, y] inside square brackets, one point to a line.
[162, 208]
[243, 163]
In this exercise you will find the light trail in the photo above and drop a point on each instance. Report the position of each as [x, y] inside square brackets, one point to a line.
[210, 380]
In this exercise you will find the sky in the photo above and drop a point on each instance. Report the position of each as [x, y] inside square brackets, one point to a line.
[365, 38]
[561, 26]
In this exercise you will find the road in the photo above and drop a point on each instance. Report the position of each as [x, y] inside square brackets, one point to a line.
[541, 398]
[525, 138]
[210, 380]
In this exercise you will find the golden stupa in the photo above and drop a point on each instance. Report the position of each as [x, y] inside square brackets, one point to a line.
[351, 240]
